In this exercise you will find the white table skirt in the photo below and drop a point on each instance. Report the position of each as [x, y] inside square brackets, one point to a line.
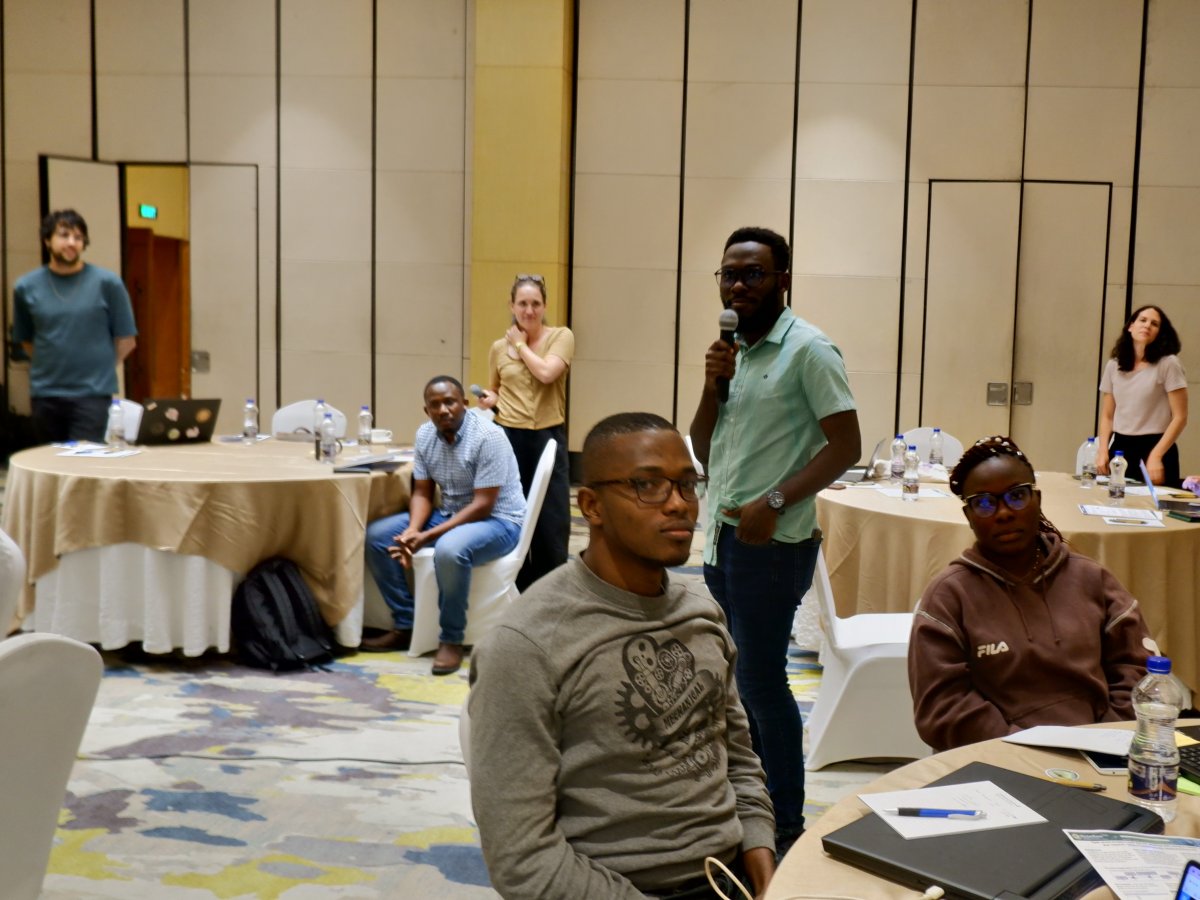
[122, 593]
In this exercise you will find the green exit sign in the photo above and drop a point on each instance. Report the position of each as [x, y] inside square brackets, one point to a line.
[147, 211]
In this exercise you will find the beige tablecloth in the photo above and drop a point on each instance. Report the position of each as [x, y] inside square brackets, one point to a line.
[230, 503]
[806, 871]
[882, 551]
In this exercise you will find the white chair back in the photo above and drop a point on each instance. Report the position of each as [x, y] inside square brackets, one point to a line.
[952, 448]
[537, 496]
[48, 684]
[703, 514]
[133, 419]
[12, 580]
[297, 418]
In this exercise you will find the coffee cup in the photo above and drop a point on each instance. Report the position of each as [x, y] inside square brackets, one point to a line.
[381, 436]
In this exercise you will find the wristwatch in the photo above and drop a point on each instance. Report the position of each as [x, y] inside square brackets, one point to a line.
[776, 500]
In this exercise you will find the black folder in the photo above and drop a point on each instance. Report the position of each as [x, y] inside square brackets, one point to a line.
[1025, 862]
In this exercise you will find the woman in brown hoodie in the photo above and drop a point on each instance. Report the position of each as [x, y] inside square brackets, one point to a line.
[1019, 631]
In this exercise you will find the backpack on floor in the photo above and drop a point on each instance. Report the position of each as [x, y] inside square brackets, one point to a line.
[275, 621]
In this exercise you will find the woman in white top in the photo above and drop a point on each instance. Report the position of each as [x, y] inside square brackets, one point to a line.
[1144, 406]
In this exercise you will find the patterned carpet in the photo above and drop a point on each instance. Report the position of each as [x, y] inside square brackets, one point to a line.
[199, 779]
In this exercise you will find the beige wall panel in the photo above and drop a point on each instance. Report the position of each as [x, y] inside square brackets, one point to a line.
[51, 38]
[1170, 136]
[623, 315]
[851, 131]
[141, 117]
[422, 38]
[714, 207]
[910, 392]
[326, 39]
[1182, 305]
[342, 379]
[855, 41]
[848, 228]
[231, 37]
[875, 399]
[606, 388]
[93, 189]
[139, 37]
[699, 313]
[691, 384]
[1086, 43]
[419, 309]
[858, 315]
[971, 42]
[400, 381]
[1114, 316]
[232, 118]
[326, 215]
[419, 217]
[29, 131]
[631, 39]
[626, 222]
[918, 212]
[748, 41]
[628, 127]
[23, 213]
[326, 305]
[421, 125]
[325, 123]
[1173, 33]
[967, 132]
[1081, 134]
[1168, 222]
[1118, 235]
[711, 152]
[19, 264]
[914, 324]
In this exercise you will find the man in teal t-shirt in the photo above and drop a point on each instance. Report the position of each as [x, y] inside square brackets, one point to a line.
[76, 322]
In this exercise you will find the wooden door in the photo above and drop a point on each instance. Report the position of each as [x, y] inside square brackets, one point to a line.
[156, 275]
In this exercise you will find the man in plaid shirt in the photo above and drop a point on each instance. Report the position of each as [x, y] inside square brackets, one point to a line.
[472, 462]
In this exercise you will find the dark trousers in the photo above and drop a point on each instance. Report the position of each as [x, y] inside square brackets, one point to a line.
[759, 587]
[1137, 447]
[549, 547]
[701, 889]
[59, 419]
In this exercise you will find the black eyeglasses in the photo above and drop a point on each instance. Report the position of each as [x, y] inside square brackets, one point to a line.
[657, 490]
[985, 504]
[536, 279]
[750, 276]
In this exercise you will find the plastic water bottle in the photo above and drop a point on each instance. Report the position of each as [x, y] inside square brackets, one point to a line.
[365, 421]
[937, 448]
[328, 440]
[1116, 478]
[912, 474]
[250, 422]
[1085, 466]
[1153, 754]
[898, 448]
[115, 434]
[319, 410]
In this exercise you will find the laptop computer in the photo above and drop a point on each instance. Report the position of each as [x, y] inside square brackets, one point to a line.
[175, 421]
[1168, 504]
[1033, 862]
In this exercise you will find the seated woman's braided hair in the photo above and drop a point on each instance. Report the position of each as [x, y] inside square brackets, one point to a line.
[985, 449]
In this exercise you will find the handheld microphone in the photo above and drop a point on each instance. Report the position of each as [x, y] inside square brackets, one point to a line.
[728, 324]
[478, 392]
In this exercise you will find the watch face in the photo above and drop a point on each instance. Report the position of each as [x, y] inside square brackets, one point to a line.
[775, 500]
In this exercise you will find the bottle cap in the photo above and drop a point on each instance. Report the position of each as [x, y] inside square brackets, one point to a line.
[1119, 453]
[1158, 665]
[912, 447]
[937, 431]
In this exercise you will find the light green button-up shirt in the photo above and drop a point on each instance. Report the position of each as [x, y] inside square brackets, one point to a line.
[770, 427]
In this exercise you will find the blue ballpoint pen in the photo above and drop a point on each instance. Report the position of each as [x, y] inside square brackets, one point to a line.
[924, 812]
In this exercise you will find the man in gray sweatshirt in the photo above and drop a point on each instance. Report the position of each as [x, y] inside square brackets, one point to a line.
[610, 753]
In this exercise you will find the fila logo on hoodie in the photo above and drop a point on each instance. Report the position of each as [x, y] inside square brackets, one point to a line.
[991, 649]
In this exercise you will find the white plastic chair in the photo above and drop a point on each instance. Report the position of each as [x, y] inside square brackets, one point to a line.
[464, 733]
[493, 585]
[952, 448]
[863, 708]
[12, 580]
[133, 419]
[297, 418]
[48, 685]
[703, 514]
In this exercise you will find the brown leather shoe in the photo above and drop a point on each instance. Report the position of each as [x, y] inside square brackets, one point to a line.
[397, 639]
[448, 658]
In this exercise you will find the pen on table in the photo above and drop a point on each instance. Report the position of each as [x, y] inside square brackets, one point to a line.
[1082, 785]
[927, 813]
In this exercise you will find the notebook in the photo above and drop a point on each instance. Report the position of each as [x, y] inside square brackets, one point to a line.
[174, 421]
[1030, 862]
[1170, 504]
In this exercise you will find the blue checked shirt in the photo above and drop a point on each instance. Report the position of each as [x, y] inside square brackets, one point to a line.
[480, 457]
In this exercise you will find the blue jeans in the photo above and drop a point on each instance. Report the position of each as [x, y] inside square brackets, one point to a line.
[759, 587]
[454, 555]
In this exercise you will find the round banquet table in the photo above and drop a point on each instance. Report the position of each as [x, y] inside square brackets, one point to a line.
[149, 547]
[807, 872]
[882, 551]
